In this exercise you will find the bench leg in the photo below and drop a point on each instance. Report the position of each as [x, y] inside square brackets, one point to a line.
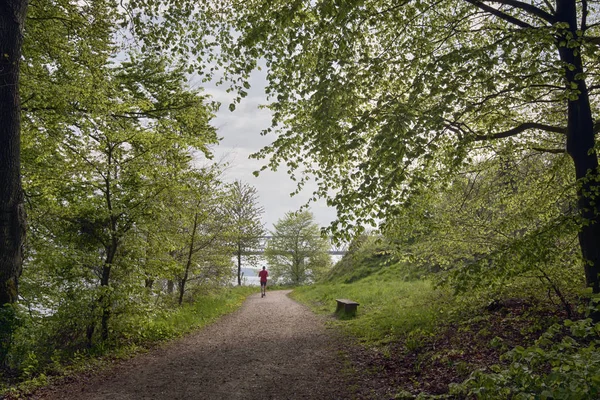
[350, 309]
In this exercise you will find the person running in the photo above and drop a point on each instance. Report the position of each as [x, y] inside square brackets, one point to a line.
[263, 281]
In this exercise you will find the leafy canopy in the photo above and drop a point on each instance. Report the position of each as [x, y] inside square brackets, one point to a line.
[373, 99]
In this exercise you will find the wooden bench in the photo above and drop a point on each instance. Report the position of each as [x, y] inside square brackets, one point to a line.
[347, 307]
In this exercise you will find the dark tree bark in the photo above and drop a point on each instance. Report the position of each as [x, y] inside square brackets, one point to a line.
[580, 146]
[104, 300]
[149, 281]
[188, 263]
[239, 264]
[12, 211]
[111, 252]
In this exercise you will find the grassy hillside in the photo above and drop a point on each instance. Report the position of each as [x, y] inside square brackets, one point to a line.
[389, 307]
[365, 257]
[417, 340]
[393, 302]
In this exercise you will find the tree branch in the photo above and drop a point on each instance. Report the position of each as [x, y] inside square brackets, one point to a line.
[592, 39]
[528, 8]
[152, 113]
[550, 6]
[519, 129]
[499, 14]
[552, 151]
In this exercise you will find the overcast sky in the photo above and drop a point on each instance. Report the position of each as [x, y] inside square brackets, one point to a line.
[240, 133]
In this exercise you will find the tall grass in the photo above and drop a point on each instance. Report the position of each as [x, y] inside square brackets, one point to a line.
[168, 324]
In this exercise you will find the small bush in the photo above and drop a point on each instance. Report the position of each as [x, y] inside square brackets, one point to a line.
[564, 363]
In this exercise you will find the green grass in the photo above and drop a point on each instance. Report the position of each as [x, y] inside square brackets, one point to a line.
[430, 335]
[369, 258]
[173, 323]
[389, 307]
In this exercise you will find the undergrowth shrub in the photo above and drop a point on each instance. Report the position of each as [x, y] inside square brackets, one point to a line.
[564, 363]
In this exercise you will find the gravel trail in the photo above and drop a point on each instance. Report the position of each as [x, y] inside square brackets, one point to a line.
[271, 348]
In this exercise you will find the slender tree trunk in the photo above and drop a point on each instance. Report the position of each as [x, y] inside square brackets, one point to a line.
[296, 268]
[188, 263]
[111, 249]
[149, 281]
[91, 328]
[104, 300]
[182, 287]
[239, 263]
[12, 211]
[580, 146]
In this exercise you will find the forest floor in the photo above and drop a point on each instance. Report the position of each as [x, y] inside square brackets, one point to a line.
[271, 348]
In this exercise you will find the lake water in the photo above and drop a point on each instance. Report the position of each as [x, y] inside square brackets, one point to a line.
[249, 277]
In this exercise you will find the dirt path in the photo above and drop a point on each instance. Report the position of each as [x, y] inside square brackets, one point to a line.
[272, 348]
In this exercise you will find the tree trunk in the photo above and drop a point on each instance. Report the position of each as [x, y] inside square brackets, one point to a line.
[149, 281]
[182, 282]
[580, 145]
[12, 211]
[104, 300]
[297, 265]
[188, 263]
[239, 262]
[89, 332]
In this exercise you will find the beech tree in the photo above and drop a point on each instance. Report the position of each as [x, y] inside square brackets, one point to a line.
[102, 138]
[245, 214]
[56, 52]
[372, 98]
[297, 253]
[204, 230]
